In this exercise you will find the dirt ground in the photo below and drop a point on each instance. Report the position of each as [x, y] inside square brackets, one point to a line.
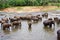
[30, 9]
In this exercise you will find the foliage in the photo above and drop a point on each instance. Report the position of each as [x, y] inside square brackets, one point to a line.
[9, 3]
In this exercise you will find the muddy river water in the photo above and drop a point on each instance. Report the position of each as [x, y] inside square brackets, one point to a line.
[36, 32]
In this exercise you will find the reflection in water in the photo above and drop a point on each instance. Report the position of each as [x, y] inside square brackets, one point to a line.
[16, 28]
[6, 31]
[30, 29]
[48, 29]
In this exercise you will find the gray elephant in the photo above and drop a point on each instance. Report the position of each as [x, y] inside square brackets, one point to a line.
[23, 18]
[13, 19]
[39, 17]
[45, 15]
[48, 23]
[17, 17]
[57, 20]
[5, 19]
[5, 25]
[16, 23]
[58, 35]
[34, 18]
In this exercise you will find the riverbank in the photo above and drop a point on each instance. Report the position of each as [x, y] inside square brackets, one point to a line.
[30, 9]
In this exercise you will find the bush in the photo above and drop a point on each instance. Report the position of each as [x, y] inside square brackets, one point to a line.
[8, 3]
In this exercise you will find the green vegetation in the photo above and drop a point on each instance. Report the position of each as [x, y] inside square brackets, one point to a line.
[9, 3]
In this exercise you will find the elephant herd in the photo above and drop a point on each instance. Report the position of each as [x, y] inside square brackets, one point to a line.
[6, 23]
[15, 21]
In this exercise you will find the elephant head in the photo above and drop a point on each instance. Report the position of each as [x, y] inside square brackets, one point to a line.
[39, 17]
[55, 18]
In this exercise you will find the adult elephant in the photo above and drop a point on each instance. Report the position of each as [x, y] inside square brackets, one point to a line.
[5, 19]
[17, 17]
[6, 25]
[57, 20]
[58, 34]
[45, 15]
[49, 23]
[13, 19]
[39, 17]
[34, 18]
[16, 23]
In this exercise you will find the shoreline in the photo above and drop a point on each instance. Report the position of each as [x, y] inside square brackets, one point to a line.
[29, 9]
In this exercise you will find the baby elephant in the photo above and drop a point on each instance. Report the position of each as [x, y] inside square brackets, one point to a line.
[6, 25]
[48, 23]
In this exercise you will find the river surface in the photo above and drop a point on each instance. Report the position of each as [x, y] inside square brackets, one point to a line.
[36, 32]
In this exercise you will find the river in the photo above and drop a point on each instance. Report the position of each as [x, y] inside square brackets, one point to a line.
[36, 32]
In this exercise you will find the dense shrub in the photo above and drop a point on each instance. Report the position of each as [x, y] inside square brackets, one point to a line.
[8, 3]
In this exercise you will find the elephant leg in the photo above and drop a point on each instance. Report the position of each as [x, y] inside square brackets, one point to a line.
[20, 24]
[29, 25]
[50, 25]
[8, 28]
[45, 25]
[3, 28]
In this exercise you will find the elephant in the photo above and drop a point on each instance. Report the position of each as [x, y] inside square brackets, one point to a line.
[1, 21]
[5, 25]
[5, 19]
[48, 23]
[17, 17]
[45, 15]
[22, 18]
[55, 18]
[39, 17]
[58, 35]
[16, 23]
[13, 19]
[34, 18]
[27, 17]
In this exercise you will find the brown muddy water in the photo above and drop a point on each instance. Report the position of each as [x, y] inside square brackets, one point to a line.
[36, 32]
